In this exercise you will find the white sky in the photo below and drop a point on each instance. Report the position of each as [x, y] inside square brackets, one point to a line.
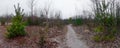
[67, 7]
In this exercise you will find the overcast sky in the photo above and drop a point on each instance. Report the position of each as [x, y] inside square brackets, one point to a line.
[67, 7]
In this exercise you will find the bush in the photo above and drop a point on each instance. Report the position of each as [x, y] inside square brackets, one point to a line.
[2, 20]
[43, 37]
[105, 33]
[107, 20]
[42, 41]
[33, 20]
[99, 29]
[29, 21]
[76, 21]
[17, 27]
[101, 35]
[99, 38]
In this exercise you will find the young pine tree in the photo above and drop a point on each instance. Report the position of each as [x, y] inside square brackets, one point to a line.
[17, 27]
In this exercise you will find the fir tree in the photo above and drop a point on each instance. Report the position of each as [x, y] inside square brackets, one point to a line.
[18, 26]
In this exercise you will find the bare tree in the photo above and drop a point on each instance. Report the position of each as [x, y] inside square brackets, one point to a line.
[118, 13]
[31, 4]
[46, 9]
[58, 15]
[45, 12]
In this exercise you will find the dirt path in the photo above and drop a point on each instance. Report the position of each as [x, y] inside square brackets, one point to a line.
[72, 40]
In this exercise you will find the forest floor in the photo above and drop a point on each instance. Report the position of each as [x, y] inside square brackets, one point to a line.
[31, 40]
[86, 34]
[67, 37]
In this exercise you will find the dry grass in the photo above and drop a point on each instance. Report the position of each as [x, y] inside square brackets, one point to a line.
[87, 34]
[31, 40]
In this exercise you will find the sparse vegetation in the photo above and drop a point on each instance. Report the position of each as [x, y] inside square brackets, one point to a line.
[42, 39]
[105, 20]
[99, 26]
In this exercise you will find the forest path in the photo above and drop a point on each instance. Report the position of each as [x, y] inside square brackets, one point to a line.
[72, 40]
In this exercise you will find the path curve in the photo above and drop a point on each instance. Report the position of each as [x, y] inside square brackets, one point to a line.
[72, 40]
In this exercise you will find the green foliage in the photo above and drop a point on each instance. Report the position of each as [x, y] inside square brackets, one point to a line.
[29, 21]
[70, 20]
[99, 29]
[106, 34]
[118, 21]
[17, 27]
[33, 20]
[2, 21]
[99, 38]
[76, 21]
[106, 22]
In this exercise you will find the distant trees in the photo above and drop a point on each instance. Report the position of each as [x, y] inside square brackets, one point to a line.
[44, 14]
[31, 4]
[31, 20]
[47, 8]
[76, 21]
[2, 20]
[57, 21]
[5, 19]
[118, 13]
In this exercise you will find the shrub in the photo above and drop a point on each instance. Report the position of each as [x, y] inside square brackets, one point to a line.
[29, 21]
[76, 21]
[107, 20]
[17, 27]
[105, 34]
[33, 20]
[99, 29]
[2, 21]
[97, 38]
[43, 36]
[42, 41]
